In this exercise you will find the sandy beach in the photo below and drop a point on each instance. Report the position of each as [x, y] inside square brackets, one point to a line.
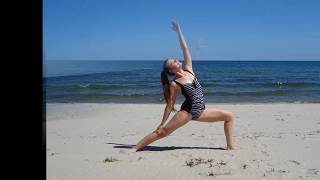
[275, 141]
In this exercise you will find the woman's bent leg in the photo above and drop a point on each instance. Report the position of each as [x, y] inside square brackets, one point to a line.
[178, 120]
[214, 115]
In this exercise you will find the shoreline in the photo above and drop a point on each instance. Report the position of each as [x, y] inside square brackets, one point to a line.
[226, 103]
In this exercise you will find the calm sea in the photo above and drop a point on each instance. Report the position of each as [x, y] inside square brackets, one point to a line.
[223, 81]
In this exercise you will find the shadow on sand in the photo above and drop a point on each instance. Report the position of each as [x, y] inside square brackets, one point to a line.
[161, 148]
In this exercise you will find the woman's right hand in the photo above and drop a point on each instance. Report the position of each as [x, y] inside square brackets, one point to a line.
[175, 26]
[160, 126]
[159, 130]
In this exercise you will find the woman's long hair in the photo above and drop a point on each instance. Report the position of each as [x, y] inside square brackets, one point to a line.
[165, 81]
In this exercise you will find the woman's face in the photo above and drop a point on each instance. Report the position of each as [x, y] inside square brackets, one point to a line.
[173, 65]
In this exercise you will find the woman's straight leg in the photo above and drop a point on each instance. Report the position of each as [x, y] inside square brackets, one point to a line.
[178, 120]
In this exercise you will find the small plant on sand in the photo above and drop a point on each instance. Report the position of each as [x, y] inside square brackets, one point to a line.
[211, 173]
[222, 163]
[197, 161]
[111, 159]
[244, 166]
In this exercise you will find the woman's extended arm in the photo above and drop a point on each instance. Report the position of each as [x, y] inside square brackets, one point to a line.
[183, 45]
[170, 103]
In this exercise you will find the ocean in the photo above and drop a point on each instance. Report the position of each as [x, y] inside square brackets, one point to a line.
[137, 81]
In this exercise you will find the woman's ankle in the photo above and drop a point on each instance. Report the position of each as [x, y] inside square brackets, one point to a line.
[134, 148]
[231, 147]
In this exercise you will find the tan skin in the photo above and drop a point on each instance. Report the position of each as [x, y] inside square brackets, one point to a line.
[182, 117]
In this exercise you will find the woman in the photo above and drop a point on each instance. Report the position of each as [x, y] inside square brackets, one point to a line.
[193, 108]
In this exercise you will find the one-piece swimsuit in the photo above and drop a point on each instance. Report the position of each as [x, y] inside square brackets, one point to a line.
[193, 93]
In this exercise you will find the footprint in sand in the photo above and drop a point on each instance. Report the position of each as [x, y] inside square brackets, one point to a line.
[265, 153]
[313, 172]
[280, 119]
[254, 163]
[189, 155]
[276, 172]
[257, 135]
[53, 153]
[141, 158]
[278, 137]
[174, 155]
[92, 136]
[264, 145]
[295, 162]
[126, 135]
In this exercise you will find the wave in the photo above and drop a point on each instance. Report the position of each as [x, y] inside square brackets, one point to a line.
[101, 74]
[247, 93]
[88, 86]
[96, 98]
[288, 84]
[263, 84]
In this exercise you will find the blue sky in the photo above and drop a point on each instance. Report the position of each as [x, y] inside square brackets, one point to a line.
[213, 29]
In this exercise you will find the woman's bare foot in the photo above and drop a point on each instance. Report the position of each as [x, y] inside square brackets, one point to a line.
[233, 147]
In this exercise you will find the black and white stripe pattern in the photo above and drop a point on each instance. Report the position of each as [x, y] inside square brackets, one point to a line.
[194, 102]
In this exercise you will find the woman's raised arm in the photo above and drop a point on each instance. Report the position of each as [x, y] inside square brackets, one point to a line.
[183, 45]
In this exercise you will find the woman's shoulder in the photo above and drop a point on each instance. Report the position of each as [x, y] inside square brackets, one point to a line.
[189, 70]
[176, 85]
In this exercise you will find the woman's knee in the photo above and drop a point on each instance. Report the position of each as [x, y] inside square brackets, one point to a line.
[229, 116]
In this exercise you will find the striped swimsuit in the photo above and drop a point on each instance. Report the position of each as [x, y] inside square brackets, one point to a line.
[193, 93]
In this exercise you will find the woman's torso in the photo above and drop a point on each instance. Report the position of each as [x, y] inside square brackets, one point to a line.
[194, 102]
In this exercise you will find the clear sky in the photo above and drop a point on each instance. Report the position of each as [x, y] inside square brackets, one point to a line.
[213, 29]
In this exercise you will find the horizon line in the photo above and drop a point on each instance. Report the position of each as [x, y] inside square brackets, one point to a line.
[182, 59]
